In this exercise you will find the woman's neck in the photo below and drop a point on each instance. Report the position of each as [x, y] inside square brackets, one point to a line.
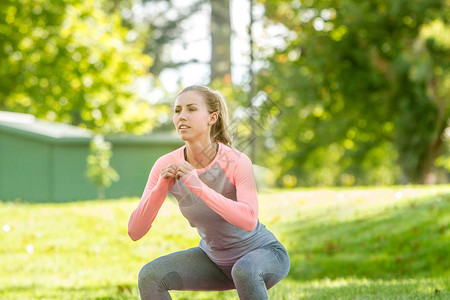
[200, 156]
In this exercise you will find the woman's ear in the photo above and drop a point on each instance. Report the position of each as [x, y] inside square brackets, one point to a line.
[214, 117]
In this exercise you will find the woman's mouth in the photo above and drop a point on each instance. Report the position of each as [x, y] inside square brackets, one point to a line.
[182, 128]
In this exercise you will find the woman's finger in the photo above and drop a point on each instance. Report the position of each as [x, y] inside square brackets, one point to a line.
[173, 166]
[170, 170]
[180, 173]
[168, 173]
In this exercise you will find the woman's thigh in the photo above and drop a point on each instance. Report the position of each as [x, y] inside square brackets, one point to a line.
[270, 263]
[189, 269]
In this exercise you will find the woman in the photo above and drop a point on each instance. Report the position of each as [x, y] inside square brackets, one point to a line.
[216, 191]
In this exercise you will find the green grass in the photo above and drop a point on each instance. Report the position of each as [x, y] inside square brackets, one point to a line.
[359, 243]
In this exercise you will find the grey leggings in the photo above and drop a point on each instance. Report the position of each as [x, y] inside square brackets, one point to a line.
[192, 270]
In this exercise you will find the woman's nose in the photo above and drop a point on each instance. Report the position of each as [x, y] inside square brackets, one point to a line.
[182, 115]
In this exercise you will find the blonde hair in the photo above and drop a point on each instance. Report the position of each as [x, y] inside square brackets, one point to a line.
[215, 103]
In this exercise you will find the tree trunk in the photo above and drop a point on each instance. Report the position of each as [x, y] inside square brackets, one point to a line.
[220, 40]
[436, 145]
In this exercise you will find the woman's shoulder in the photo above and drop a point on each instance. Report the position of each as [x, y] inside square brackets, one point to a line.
[233, 155]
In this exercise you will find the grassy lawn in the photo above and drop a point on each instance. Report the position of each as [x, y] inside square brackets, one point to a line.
[359, 243]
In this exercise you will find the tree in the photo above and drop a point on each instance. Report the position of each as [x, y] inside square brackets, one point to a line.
[162, 25]
[220, 40]
[69, 61]
[365, 87]
[99, 171]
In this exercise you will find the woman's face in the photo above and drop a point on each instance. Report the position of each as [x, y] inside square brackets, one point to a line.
[191, 110]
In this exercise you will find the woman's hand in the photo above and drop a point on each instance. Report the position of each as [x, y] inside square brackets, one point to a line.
[170, 171]
[183, 169]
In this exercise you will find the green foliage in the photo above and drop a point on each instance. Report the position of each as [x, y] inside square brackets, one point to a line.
[367, 83]
[70, 61]
[373, 243]
[98, 169]
[161, 29]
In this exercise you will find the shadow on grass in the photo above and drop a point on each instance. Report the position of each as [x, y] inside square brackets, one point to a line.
[102, 292]
[407, 288]
[124, 291]
[404, 242]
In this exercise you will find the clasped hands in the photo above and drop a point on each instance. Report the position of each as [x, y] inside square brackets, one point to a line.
[176, 171]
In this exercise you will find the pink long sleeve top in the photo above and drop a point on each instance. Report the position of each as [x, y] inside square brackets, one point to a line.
[220, 200]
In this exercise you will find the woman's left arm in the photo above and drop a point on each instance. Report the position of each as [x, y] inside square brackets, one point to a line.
[243, 212]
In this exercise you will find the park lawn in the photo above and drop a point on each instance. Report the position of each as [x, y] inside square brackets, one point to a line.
[356, 243]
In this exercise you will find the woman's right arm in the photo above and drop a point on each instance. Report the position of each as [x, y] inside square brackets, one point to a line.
[155, 193]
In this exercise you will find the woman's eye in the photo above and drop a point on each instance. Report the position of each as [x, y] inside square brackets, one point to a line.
[191, 109]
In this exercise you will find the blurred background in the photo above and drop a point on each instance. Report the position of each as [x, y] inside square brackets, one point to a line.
[321, 93]
[342, 105]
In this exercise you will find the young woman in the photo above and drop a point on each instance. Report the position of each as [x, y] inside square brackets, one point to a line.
[215, 187]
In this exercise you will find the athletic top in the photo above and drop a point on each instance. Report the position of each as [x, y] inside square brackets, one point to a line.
[220, 200]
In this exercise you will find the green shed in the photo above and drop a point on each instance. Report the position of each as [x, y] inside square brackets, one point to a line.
[42, 161]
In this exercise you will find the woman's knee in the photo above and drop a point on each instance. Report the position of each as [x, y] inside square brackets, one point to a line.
[270, 264]
[244, 269]
[158, 275]
[149, 273]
